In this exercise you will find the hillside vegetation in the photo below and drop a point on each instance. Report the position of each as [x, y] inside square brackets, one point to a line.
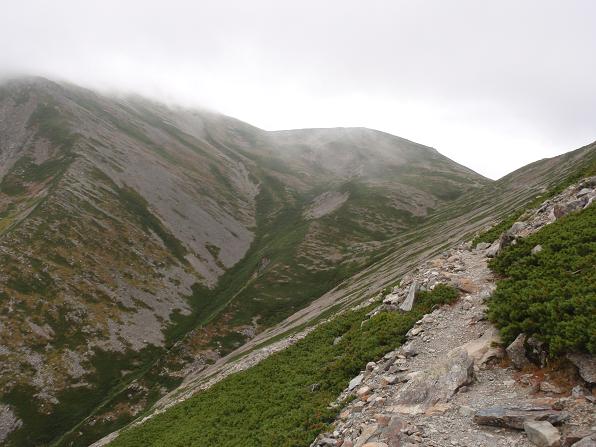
[550, 294]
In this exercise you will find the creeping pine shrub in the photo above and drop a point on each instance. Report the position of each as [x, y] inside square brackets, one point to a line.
[284, 400]
[552, 294]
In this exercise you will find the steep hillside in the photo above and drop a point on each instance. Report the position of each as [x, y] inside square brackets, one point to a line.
[140, 243]
[457, 221]
[413, 395]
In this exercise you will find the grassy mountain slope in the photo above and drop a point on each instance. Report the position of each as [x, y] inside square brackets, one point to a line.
[140, 243]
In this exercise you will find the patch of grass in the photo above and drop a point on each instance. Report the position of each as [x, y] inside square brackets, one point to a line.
[551, 294]
[272, 403]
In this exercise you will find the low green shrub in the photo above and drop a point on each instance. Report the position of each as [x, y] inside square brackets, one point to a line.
[551, 294]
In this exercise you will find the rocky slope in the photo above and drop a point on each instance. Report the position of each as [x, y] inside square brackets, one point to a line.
[141, 243]
[446, 386]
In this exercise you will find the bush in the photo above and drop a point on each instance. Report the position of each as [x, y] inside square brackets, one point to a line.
[551, 294]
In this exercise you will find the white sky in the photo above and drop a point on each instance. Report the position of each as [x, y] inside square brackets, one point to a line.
[491, 84]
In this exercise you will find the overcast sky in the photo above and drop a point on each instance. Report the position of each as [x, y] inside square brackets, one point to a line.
[491, 84]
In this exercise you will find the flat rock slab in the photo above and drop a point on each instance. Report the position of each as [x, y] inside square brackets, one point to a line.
[436, 385]
[515, 417]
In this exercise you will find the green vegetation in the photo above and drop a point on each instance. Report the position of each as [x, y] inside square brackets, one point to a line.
[275, 403]
[550, 294]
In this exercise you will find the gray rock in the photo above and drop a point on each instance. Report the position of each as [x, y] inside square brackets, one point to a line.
[408, 350]
[586, 366]
[584, 192]
[356, 381]
[542, 433]
[561, 210]
[514, 417]
[537, 249]
[588, 441]
[408, 303]
[574, 437]
[517, 352]
[494, 249]
[548, 387]
[437, 384]
[516, 228]
[327, 442]
[482, 246]
[8, 422]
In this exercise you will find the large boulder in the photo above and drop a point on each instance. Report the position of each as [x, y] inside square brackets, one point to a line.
[515, 417]
[542, 433]
[435, 386]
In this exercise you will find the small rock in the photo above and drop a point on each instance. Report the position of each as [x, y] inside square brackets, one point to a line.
[494, 249]
[583, 192]
[415, 331]
[482, 246]
[466, 285]
[579, 391]
[356, 381]
[408, 303]
[408, 350]
[574, 437]
[388, 380]
[586, 366]
[466, 411]
[590, 441]
[363, 392]
[516, 228]
[537, 249]
[548, 387]
[542, 433]
[517, 352]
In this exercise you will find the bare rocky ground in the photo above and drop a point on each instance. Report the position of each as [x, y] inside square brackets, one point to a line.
[453, 383]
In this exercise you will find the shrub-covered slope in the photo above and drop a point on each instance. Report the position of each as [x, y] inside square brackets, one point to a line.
[284, 400]
[550, 294]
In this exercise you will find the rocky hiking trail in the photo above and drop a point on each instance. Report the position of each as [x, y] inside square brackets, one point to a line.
[453, 383]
